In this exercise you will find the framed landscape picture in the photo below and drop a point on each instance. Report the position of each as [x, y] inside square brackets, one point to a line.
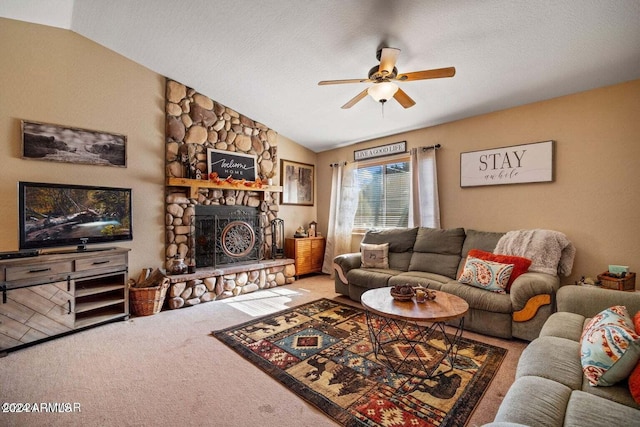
[44, 141]
[297, 183]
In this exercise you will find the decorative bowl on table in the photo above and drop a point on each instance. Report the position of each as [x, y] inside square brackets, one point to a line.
[402, 292]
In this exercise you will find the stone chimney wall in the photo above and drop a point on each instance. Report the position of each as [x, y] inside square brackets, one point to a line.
[194, 123]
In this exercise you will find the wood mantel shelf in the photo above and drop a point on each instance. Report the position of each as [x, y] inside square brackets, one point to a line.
[195, 184]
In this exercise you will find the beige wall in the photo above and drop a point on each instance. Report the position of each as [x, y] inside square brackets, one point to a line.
[594, 200]
[296, 216]
[56, 76]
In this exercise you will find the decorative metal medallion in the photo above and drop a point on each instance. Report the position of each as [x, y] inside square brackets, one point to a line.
[238, 239]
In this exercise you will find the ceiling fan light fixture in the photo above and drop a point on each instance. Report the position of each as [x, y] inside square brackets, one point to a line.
[382, 92]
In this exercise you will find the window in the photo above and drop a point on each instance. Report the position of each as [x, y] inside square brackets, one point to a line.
[384, 195]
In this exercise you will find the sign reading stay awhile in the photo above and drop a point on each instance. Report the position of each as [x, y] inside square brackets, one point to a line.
[230, 164]
[508, 165]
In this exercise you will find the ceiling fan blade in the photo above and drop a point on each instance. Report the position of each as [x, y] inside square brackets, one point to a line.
[337, 82]
[355, 99]
[388, 58]
[427, 74]
[404, 99]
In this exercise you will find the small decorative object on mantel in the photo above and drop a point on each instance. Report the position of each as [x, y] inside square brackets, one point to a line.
[269, 176]
[147, 294]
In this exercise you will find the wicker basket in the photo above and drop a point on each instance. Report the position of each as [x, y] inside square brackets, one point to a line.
[147, 301]
[627, 283]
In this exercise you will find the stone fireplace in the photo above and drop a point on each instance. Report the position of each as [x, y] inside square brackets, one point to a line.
[226, 235]
[225, 264]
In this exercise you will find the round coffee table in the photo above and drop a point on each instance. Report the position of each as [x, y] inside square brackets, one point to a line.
[403, 333]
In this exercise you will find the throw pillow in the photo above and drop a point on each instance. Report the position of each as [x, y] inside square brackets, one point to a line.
[374, 256]
[634, 378]
[634, 383]
[609, 348]
[520, 264]
[614, 315]
[489, 275]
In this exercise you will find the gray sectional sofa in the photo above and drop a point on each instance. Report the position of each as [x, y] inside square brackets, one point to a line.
[433, 258]
[550, 388]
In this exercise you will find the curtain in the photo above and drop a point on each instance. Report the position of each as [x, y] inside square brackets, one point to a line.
[342, 211]
[425, 206]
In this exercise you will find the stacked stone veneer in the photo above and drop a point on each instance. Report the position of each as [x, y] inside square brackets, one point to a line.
[194, 123]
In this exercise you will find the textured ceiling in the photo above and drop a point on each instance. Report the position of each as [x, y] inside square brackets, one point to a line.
[264, 58]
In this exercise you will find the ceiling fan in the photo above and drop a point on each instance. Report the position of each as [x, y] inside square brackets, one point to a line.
[382, 76]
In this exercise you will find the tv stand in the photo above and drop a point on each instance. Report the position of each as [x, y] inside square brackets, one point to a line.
[55, 294]
[79, 250]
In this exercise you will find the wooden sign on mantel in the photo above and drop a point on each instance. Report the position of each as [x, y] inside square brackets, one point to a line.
[231, 164]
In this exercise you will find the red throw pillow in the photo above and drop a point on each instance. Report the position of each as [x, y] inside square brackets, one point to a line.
[520, 264]
[634, 378]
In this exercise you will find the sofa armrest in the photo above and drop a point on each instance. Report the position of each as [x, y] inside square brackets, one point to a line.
[346, 262]
[588, 301]
[530, 285]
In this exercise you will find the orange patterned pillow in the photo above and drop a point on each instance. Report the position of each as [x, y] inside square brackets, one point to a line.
[634, 378]
[520, 264]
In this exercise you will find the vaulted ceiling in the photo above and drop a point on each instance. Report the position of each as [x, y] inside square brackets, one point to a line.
[264, 58]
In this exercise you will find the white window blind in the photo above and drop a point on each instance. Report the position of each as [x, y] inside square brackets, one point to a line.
[384, 195]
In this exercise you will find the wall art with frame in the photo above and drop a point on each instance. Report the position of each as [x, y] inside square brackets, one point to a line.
[45, 141]
[297, 183]
[517, 164]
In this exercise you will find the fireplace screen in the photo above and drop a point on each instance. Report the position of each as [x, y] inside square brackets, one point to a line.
[227, 238]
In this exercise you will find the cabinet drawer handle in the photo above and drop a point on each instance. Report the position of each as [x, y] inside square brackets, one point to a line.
[40, 270]
[101, 262]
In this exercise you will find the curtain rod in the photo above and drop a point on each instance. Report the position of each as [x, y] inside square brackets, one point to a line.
[431, 147]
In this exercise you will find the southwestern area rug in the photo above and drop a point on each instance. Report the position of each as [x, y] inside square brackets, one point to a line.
[322, 352]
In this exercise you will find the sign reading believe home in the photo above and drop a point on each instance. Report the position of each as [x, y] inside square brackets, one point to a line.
[507, 165]
[231, 164]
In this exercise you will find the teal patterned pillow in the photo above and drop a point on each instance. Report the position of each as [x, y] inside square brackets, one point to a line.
[609, 347]
[489, 275]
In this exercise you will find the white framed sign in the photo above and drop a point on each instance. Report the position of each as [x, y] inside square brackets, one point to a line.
[516, 164]
[382, 150]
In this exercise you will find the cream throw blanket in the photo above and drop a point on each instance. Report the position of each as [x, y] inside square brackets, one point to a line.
[549, 251]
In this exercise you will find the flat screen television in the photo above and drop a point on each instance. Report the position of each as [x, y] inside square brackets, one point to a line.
[55, 215]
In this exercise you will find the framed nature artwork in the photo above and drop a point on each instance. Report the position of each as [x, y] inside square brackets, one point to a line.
[44, 141]
[297, 183]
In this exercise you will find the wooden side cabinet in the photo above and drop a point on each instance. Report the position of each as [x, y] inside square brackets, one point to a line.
[58, 293]
[308, 253]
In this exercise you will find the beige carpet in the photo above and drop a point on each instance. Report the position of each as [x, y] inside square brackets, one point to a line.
[166, 370]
